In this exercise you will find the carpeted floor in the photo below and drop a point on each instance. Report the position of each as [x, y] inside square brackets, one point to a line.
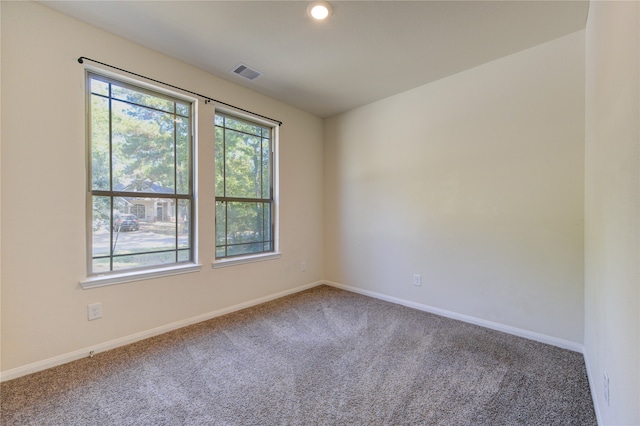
[320, 357]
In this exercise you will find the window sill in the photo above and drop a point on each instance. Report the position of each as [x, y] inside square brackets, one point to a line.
[223, 263]
[124, 277]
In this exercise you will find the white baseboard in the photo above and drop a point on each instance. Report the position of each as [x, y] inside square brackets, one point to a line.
[592, 385]
[561, 343]
[85, 352]
[82, 353]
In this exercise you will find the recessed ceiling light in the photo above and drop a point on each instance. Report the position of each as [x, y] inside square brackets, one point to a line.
[319, 10]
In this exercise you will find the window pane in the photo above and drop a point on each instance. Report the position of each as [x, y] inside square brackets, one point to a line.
[242, 126]
[140, 241]
[184, 223]
[141, 98]
[243, 168]
[184, 255]
[101, 265]
[243, 229]
[100, 143]
[99, 87]
[143, 149]
[155, 232]
[219, 160]
[266, 168]
[101, 226]
[143, 260]
[221, 228]
[182, 109]
[267, 221]
[243, 159]
[183, 155]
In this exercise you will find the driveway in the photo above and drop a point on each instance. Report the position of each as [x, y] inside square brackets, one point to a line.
[149, 238]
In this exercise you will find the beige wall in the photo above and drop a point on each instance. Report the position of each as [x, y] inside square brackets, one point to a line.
[612, 208]
[476, 183]
[44, 311]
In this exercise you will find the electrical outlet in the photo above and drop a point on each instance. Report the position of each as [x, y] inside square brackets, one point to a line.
[417, 279]
[606, 387]
[95, 311]
[303, 266]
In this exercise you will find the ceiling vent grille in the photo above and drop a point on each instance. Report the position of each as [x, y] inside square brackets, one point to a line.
[246, 72]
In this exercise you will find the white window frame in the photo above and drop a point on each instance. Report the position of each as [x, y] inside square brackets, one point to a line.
[119, 277]
[275, 254]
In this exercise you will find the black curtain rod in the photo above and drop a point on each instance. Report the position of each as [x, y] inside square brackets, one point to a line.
[207, 99]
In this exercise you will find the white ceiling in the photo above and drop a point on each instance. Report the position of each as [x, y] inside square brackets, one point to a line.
[366, 51]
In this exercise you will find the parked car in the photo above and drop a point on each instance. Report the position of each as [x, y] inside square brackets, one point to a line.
[126, 222]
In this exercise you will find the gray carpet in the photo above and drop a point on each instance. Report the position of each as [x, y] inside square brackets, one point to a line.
[324, 357]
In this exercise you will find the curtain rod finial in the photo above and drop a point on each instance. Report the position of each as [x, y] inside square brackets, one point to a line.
[80, 60]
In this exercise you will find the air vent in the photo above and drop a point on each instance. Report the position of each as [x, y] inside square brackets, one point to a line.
[246, 72]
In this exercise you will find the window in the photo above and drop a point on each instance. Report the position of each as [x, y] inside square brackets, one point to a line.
[140, 178]
[139, 211]
[244, 191]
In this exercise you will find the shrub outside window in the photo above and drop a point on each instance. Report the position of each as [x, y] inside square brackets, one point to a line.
[140, 177]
